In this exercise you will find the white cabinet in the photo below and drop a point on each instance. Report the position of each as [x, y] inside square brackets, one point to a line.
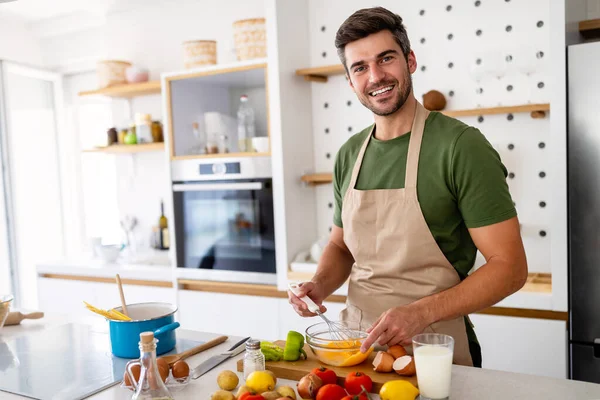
[229, 314]
[67, 296]
[523, 345]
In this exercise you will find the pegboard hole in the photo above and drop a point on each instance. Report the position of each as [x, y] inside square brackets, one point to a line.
[478, 32]
[450, 65]
[349, 103]
[323, 28]
[329, 229]
[479, 90]
[448, 8]
[541, 145]
[451, 93]
[542, 204]
[450, 36]
[349, 129]
[539, 54]
[330, 205]
[478, 61]
[510, 117]
[542, 233]
[540, 24]
[509, 88]
[326, 130]
[326, 105]
[423, 40]
[328, 155]
[480, 119]
[511, 175]
[477, 3]
[508, 58]
[324, 54]
[542, 174]
[508, 28]
[540, 85]
[423, 68]
[511, 146]
[422, 12]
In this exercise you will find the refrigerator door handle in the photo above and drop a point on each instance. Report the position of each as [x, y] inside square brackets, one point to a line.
[597, 348]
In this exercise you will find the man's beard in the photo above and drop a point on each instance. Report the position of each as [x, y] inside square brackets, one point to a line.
[385, 110]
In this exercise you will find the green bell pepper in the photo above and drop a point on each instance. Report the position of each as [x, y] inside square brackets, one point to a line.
[271, 351]
[294, 346]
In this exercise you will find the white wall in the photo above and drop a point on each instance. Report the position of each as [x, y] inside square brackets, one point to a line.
[18, 43]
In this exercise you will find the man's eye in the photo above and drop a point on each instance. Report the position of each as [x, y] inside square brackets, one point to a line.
[386, 59]
[359, 69]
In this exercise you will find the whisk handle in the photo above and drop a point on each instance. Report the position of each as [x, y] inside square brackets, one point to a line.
[312, 306]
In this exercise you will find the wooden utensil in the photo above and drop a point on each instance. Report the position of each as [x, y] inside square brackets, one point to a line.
[172, 359]
[15, 317]
[295, 370]
[123, 304]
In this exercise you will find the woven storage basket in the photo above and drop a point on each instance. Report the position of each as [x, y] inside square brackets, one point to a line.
[199, 52]
[111, 73]
[250, 38]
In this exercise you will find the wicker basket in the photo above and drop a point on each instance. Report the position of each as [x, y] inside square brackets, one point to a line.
[111, 73]
[250, 38]
[199, 52]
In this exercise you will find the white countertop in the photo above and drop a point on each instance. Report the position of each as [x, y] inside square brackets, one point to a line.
[467, 383]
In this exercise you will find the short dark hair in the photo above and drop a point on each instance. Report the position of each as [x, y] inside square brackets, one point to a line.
[367, 21]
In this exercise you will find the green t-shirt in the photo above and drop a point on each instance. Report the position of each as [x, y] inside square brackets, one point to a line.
[461, 182]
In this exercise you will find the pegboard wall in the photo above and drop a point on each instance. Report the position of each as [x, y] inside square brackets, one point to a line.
[482, 53]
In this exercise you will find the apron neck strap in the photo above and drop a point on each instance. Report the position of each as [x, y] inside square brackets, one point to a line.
[414, 146]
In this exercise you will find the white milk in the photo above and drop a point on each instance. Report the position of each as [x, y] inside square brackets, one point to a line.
[434, 370]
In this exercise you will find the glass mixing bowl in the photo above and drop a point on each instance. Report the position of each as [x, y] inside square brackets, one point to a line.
[337, 347]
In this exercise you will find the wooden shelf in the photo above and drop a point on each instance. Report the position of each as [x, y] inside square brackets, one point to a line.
[317, 179]
[128, 148]
[536, 110]
[220, 155]
[590, 28]
[127, 91]
[320, 74]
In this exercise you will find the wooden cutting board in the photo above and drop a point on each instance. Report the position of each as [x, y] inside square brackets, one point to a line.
[295, 370]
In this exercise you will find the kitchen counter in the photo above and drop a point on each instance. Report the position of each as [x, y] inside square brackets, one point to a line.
[467, 383]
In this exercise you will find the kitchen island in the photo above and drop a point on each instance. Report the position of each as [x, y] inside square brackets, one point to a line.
[467, 383]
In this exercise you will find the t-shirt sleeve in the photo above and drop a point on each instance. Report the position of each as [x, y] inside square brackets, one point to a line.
[479, 181]
[338, 180]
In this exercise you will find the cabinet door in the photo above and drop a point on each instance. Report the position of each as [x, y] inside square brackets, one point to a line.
[229, 314]
[58, 296]
[523, 345]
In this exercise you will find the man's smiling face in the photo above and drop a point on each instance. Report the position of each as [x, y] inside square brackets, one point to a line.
[378, 72]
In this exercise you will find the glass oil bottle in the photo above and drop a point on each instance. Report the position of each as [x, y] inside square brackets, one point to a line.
[150, 385]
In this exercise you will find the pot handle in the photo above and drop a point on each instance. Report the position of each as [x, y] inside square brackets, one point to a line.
[166, 328]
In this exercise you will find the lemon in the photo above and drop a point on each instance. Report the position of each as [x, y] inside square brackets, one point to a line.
[398, 390]
[260, 381]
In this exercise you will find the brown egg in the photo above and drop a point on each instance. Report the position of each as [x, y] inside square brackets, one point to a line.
[162, 362]
[180, 369]
[135, 370]
[434, 100]
[164, 372]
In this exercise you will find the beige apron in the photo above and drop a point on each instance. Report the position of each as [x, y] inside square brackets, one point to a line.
[397, 260]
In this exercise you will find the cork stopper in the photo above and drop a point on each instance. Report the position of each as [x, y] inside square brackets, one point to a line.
[147, 337]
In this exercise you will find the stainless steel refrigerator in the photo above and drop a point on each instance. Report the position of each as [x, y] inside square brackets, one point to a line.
[583, 164]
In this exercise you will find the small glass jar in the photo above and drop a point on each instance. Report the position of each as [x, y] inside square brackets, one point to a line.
[143, 127]
[254, 359]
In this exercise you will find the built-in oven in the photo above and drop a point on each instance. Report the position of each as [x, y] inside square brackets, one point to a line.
[224, 224]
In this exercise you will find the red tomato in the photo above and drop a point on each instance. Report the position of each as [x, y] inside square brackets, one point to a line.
[355, 381]
[327, 375]
[331, 392]
[356, 397]
[250, 396]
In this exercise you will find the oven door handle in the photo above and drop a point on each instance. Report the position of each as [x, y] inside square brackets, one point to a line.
[204, 187]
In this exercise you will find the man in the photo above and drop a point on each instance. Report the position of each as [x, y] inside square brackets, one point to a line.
[417, 194]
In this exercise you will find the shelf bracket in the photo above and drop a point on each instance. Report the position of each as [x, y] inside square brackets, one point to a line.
[316, 78]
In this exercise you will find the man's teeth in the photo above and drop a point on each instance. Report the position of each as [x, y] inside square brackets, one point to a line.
[382, 90]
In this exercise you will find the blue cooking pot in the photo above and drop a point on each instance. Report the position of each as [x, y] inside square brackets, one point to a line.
[146, 317]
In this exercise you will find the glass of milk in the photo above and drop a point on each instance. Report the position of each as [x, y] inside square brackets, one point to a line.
[433, 354]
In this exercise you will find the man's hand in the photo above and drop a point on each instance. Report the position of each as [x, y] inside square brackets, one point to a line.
[397, 325]
[311, 290]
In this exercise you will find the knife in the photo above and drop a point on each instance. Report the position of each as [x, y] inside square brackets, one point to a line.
[219, 358]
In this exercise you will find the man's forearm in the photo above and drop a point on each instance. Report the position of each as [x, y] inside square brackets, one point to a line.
[333, 269]
[485, 287]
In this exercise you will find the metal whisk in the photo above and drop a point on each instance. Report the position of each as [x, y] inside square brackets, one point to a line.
[338, 332]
